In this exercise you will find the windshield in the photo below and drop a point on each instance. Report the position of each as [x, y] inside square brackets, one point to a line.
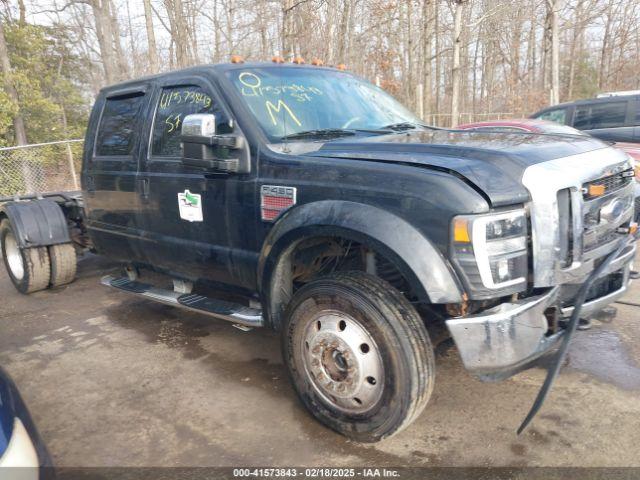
[289, 100]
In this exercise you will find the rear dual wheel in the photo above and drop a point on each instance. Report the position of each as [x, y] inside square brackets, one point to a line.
[33, 269]
[358, 355]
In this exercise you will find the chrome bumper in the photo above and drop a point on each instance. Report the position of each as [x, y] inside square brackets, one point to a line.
[503, 340]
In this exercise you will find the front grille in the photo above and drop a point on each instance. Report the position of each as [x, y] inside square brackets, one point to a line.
[565, 224]
[610, 183]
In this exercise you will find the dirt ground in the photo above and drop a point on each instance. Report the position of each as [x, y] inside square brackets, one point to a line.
[115, 381]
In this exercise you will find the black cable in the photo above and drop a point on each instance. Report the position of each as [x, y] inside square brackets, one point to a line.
[554, 368]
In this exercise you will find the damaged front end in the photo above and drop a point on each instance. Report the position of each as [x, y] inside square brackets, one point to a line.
[580, 248]
[503, 340]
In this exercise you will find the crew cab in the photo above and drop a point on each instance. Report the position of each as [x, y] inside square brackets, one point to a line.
[304, 199]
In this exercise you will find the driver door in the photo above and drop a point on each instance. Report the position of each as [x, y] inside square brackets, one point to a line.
[198, 242]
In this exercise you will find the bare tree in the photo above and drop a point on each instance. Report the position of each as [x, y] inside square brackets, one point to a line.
[456, 73]
[151, 37]
[179, 32]
[104, 34]
[489, 57]
[553, 6]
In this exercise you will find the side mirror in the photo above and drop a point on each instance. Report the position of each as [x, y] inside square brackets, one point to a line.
[199, 125]
[202, 148]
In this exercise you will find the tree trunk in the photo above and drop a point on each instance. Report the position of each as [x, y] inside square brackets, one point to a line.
[427, 36]
[605, 46]
[555, 6]
[121, 61]
[23, 12]
[179, 34]
[455, 69]
[343, 31]
[216, 32]
[151, 37]
[105, 38]
[436, 33]
[576, 37]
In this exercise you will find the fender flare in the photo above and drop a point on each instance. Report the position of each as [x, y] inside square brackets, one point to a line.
[37, 223]
[420, 262]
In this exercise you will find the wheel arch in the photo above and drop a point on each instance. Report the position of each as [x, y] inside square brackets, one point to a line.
[429, 274]
[36, 223]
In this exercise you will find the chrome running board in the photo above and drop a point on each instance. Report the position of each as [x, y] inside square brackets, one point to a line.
[231, 312]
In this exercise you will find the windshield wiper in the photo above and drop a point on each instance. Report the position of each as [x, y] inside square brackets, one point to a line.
[402, 126]
[320, 133]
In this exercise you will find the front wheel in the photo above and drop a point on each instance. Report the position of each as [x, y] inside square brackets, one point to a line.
[358, 355]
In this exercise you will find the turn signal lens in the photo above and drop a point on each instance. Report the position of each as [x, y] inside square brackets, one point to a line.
[298, 60]
[277, 59]
[237, 59]
[461, 231]
[596, 190]
[341, 66]
[317, 62]
[636, 169]
[633, 228]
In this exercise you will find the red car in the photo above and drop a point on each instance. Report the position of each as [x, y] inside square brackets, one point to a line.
[545, 126]
[522, 125]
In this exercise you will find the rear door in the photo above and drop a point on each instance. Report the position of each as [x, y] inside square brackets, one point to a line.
[607, 120]
[208, 238]
[111, 189]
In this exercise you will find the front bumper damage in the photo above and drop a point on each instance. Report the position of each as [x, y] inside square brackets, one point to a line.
[499, 342]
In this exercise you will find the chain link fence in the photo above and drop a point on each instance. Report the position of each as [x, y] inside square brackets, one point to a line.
[444, 119]
[40, 168]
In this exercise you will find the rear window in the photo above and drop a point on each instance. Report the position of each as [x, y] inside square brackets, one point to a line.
[600, 115]
[559, 115]
[118, 125]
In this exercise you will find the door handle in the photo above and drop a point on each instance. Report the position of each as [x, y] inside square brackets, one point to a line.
[144, 191]
[90, 185]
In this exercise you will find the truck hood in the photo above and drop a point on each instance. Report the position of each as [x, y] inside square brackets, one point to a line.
[491, 162]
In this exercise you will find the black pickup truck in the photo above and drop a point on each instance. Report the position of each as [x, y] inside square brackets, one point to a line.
[306, 200]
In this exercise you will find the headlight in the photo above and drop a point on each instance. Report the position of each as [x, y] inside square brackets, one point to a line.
[491, 251]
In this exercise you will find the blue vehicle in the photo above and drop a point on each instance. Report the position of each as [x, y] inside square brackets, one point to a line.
[23, 455]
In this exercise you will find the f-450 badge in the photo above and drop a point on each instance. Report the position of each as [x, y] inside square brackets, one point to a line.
[190, 205]
[275, 199]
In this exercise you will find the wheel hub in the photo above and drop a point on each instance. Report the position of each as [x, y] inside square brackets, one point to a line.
[343, 362]
[14, 256]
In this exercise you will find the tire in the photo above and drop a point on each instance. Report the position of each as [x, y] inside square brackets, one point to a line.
[29, 268]
[63, 264]
[359, 355]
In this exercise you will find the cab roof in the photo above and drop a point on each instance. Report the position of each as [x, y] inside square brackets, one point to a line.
[215, 68]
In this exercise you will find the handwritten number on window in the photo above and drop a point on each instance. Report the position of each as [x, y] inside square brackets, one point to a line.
[172, 122]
